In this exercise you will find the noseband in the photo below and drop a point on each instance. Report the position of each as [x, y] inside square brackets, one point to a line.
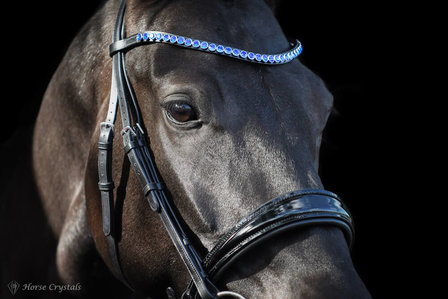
[295, 209]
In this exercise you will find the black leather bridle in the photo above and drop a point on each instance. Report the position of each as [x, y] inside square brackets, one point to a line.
[295, 209]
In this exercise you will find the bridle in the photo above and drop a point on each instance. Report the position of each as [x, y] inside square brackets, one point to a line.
[295, 209]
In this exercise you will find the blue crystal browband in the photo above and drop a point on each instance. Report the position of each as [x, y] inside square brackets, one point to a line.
[205, 46]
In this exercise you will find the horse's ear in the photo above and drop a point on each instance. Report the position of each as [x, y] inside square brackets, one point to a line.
[274, 4]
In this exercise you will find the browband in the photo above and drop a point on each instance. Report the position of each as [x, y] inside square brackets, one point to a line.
[149, 37]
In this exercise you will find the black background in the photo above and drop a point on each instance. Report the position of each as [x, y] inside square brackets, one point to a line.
[360, 50]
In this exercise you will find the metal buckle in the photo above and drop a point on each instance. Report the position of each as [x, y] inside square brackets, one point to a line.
[230, 294]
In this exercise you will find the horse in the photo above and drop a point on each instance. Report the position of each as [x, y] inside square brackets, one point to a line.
[226, 137]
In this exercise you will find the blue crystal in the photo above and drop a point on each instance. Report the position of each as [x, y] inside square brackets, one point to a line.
[235, 52]
[204, 45]
[212, 47]
[139, 37]
[145, 36]
[300, 49]
[228, 50]
[180, 40]
[258, 57]
[251, 56]
[196, 44]
[220, 49]
[173, 39]
[282, 57]
[188, 42]
[243, 54]
[277, 58]
[271, 58]
[166, 37]
[265, 58]
[152, 36]
[158, 36]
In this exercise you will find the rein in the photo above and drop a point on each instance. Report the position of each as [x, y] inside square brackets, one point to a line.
[295, 209]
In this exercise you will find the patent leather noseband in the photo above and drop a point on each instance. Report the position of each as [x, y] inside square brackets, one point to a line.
[292, 210]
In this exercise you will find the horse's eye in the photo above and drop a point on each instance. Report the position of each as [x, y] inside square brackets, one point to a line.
[181, 112]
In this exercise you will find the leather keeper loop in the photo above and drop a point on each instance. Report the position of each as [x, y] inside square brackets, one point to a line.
[105, 145]
[152, 187]
[107, 186]
[129, 141]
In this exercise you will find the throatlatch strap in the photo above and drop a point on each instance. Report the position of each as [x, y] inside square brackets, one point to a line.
[106, 184]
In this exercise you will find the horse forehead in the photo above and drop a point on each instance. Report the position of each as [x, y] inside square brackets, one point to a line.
[241, 24]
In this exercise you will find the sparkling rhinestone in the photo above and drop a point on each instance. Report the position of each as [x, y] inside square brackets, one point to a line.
[166, 37]
[158, 36]
[277, 58]
[243, 54]
[173, 39]
[180, 40]
[188, 42]
[282, 57]
[265, 58]
[258, 57]
[251, 56]
[196, 44]
[271, 58]
[204, 45]
[212, 47]
[220, 49]
[228, 50]
[300, 49]
[145, 36]
[139, 37]
[152, 36]
[235, 52]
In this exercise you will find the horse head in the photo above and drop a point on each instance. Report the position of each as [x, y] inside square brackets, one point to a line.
[227, 136]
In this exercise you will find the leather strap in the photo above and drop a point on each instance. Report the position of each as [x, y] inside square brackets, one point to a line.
[153, 188]
[106, 187]
[295, 209]
[106, 184]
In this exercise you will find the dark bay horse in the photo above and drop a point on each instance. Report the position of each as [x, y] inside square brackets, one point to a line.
[256, 136]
